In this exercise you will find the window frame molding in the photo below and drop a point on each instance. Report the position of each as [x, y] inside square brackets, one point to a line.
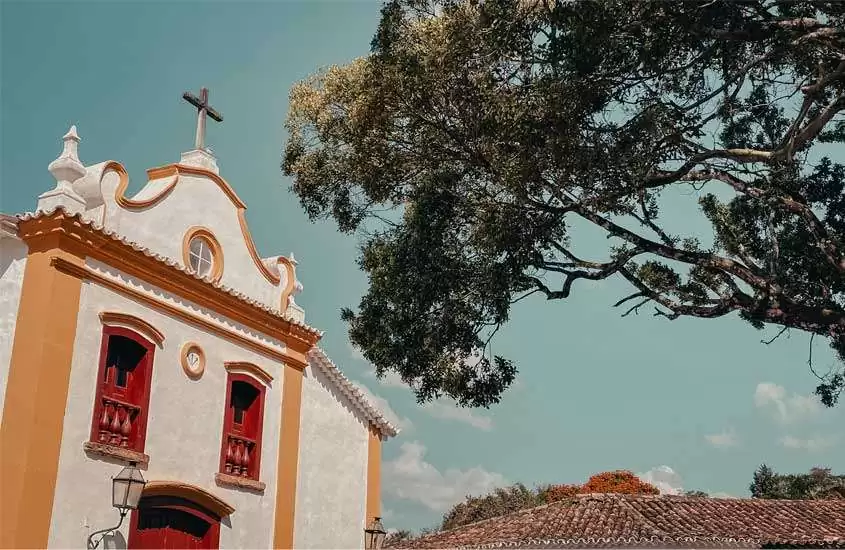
[133, 323]
[199, 231]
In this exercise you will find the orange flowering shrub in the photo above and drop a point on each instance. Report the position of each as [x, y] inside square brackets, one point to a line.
[620, 481]
[554, 493]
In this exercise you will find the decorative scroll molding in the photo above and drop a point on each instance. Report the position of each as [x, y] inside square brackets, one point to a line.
[175, 170]
[120, 192]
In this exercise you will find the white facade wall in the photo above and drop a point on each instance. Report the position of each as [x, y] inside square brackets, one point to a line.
[12, 264]
[332, 487]
[184, 429]
[194, 201]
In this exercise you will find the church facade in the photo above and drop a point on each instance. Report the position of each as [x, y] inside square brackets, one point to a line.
[147, 330]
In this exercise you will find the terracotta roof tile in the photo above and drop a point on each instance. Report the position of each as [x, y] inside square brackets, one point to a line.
[626, 521]
[369, 410]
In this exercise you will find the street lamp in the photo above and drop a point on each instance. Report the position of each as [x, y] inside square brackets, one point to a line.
[374, 535]
[127, 487]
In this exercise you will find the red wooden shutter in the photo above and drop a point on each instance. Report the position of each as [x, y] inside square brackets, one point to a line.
[123, 384]
[242, 426]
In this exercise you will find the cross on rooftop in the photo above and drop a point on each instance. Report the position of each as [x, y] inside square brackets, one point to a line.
[203, 108]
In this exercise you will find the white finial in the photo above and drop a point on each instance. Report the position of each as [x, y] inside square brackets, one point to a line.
[292, 259]
[66, 169]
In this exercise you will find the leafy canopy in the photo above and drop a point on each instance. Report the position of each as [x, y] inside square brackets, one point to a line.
[463, 148]
[819, 483]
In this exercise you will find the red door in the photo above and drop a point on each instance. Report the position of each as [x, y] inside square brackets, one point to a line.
[169, 522]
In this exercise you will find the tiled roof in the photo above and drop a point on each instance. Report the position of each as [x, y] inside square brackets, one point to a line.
[626, 521]
[370, 412]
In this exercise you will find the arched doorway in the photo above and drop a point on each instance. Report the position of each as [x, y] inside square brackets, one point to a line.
[176, 515]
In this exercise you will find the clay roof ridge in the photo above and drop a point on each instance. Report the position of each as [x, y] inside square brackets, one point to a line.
[370, 411]
[114, 236]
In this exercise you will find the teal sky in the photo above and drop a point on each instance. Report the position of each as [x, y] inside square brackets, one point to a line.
[595, 391]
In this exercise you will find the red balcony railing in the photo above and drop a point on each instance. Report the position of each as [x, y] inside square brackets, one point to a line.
[239, 460]
[117, 422]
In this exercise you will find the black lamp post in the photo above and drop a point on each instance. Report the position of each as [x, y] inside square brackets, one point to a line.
[374, 535]
[127, 487]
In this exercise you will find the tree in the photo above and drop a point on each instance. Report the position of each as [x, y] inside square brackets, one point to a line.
[696, 494]
[478, 139]
[819, 483]
[764, 482]
[620, 481]
[501, 501]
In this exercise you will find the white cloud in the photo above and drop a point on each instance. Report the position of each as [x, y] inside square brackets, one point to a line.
[811, 444]
[786, 408]
[726, 438]
[410, 477]
[664, 478]
[447, 410]
[401, 422]
[355, 352]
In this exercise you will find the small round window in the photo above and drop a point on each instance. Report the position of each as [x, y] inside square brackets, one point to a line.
[201, 256]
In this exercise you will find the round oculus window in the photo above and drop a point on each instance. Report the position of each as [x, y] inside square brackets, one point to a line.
[201, 256]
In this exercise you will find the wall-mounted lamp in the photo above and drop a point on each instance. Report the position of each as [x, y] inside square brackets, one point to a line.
[127, 487]
[374, 535]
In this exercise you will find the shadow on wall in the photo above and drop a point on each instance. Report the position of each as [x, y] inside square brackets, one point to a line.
[114, 541]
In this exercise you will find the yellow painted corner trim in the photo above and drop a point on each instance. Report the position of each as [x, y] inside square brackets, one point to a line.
[120, 192]
[248, 368]
[216, 250]
[288, 463]
[189, 492]
[373, 502]
[114, 318]
[34, 411]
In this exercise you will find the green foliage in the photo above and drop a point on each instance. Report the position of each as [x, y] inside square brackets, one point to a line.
[464, 145]
[819, 483]
[500, 502]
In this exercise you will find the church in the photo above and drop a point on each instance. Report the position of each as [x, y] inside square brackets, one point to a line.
[159, 384]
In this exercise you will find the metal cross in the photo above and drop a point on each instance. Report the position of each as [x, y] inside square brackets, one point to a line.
[203, 108]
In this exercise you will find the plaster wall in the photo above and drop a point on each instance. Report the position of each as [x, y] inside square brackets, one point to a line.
[13, 254]
[332, 485]
[184, 425]
[193, 201]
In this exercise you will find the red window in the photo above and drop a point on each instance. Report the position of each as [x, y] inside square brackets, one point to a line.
[123, 389]
[242, 425]
[170, 522]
